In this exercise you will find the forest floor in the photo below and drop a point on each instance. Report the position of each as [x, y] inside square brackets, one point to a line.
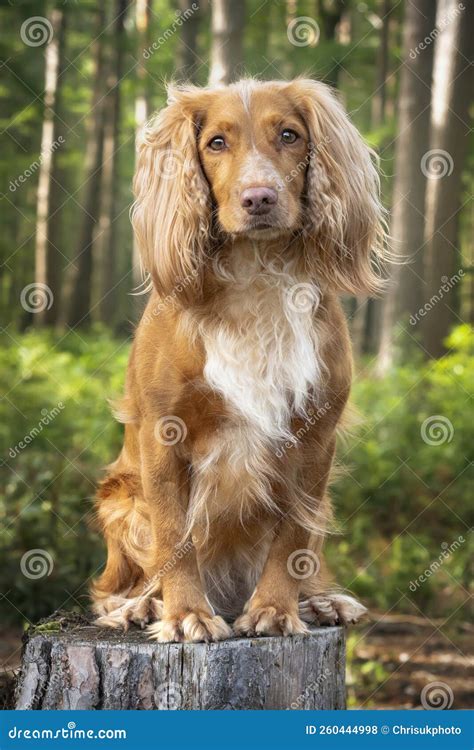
[391, 660]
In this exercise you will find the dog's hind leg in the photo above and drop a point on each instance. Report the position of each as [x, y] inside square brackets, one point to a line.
[322, 604]
[120, 595]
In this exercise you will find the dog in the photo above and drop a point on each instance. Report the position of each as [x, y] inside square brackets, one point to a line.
[256, 205]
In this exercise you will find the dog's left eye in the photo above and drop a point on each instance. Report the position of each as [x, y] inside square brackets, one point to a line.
[288, 136]
[217, 143]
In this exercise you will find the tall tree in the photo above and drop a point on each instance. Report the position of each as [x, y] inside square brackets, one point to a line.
[143, 9]
[107, 239]
[228, 21]
[187, 59]
[450, 128]
[47, 255]
[79, 311]
[379, 100]
[407, 218]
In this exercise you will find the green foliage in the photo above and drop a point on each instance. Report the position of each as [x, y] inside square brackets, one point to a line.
[407, 495]
[56, 433]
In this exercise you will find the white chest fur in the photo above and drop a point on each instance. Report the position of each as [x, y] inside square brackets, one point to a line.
[262, 352]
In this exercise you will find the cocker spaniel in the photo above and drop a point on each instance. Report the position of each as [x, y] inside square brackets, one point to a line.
[256, 204]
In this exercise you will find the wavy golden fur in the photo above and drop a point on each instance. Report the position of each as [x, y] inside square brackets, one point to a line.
[256, 204]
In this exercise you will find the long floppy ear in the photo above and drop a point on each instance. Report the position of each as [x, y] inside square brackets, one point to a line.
[171, 215]
[345, 229]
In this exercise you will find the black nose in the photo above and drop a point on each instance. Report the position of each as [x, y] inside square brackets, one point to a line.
[258, 200]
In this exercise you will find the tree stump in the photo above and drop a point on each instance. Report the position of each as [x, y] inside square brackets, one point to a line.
[68, 663]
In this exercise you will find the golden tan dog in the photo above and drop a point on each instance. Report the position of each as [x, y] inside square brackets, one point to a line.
[255, 205]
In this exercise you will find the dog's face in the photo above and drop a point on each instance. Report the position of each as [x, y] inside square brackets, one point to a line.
[263, 160]
[254, 150]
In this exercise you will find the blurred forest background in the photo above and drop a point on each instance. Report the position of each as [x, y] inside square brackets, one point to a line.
[78, 79]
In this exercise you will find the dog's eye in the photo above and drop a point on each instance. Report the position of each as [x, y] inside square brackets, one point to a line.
[288, 136]
[217, 143]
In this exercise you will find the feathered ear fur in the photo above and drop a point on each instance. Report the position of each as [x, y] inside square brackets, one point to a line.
[345, 229]
[171, 215]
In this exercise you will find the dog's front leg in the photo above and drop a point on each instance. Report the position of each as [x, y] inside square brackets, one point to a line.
[187, 615]
[273, 607]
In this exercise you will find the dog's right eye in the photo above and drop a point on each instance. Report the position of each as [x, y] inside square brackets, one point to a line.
[217, 143]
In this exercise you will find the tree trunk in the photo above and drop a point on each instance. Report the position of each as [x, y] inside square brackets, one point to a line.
[228, 21]
[407, 222]
[142, 24]
[187, 60]
[79, 312]
[379, 100]
[47, 256]
[68, 665]
[107, 237]
[452, 96]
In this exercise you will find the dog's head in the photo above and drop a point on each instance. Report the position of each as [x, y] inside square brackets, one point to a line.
[263, 161]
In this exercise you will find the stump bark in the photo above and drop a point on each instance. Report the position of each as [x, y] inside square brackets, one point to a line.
[71, 664]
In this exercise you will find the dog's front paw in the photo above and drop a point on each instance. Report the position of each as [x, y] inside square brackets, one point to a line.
[331, 609]
[192, 627]
[269, 621]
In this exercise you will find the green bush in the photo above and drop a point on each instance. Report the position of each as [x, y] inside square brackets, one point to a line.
[402, 503]
[405, 501]
[56, 433]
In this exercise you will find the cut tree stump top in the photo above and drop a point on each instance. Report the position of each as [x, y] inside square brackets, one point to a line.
[68, 663]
